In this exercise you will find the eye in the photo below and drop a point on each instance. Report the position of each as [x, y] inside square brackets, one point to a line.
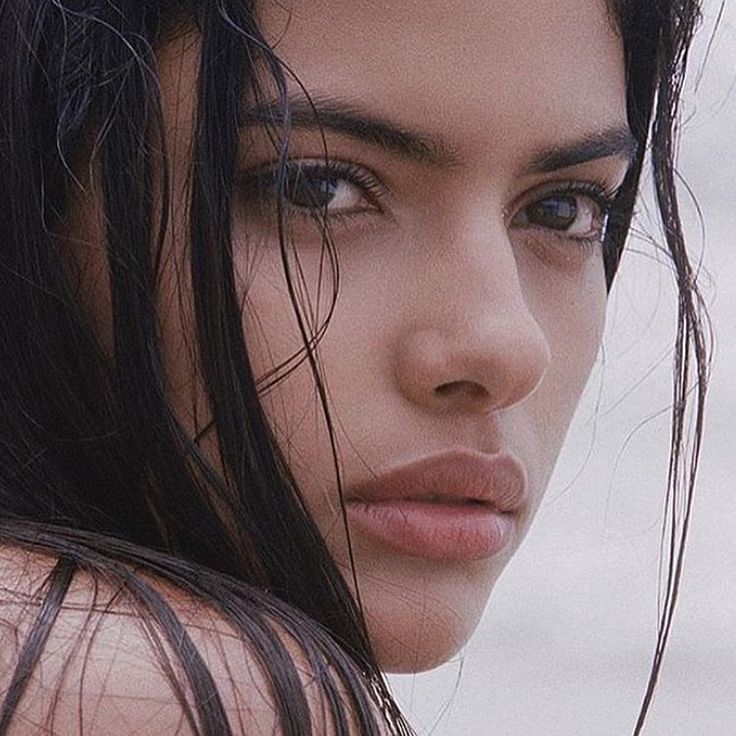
[314, 189]
[578, 212]
[318, 188]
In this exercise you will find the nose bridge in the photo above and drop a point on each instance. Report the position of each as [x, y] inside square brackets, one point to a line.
[476, 344]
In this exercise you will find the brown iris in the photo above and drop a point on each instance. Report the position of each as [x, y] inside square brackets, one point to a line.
[558, 212]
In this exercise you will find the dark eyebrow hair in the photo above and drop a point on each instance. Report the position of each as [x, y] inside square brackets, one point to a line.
[619, 142]
[349, 119]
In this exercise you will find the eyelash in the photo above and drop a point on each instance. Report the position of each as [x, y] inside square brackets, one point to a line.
[602, 195]
[261, 183]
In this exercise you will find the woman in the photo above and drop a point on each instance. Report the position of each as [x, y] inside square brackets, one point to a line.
[297, 302]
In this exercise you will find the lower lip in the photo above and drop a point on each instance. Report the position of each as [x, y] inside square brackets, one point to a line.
[433, 530]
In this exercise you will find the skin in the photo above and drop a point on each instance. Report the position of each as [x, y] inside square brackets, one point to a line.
[459, 324]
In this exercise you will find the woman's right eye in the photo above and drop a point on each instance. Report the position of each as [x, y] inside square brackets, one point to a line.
[316, 189]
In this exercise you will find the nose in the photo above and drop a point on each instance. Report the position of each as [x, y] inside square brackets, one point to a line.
[472, 343]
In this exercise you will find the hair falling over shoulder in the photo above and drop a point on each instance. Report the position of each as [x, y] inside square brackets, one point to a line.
[91, 452]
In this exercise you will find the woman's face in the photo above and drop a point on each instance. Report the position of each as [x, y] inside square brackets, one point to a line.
[474, 145]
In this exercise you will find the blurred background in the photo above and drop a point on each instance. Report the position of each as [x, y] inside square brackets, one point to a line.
[567, 640]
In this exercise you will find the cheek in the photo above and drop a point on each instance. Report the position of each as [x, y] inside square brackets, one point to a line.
[576, 318]
[566, 292]
[570, 307]
[285, 378]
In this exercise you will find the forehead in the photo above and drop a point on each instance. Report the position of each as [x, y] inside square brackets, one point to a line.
[474, 70]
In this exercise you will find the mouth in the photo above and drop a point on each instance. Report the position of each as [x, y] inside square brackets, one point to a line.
[456, 506]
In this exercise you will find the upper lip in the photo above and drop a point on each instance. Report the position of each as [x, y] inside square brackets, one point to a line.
[498, 480]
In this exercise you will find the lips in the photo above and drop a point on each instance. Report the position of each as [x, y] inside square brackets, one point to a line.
[453, 506]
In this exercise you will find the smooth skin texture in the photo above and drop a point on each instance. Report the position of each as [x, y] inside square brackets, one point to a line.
[466, 318]
[457, 325]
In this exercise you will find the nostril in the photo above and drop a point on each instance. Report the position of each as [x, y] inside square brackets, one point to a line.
[482, 365]
[464, 389]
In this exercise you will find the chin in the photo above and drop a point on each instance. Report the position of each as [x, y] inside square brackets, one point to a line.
[412, 660]
[418, 646]
[420, 627]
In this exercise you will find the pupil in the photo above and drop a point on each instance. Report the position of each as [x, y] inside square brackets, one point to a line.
[311, 192]
[555, 212]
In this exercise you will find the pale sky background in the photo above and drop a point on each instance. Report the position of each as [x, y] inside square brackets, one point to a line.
[567, 640]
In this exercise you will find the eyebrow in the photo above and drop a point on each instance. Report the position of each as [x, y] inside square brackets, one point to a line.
[348, 119]
[617, 141]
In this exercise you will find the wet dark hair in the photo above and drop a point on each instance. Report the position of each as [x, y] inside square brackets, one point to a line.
[95, 469]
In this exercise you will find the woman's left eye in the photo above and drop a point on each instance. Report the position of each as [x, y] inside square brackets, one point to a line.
[577, 215]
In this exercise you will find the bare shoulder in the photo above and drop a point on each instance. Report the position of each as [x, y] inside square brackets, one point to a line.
[108, 668]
